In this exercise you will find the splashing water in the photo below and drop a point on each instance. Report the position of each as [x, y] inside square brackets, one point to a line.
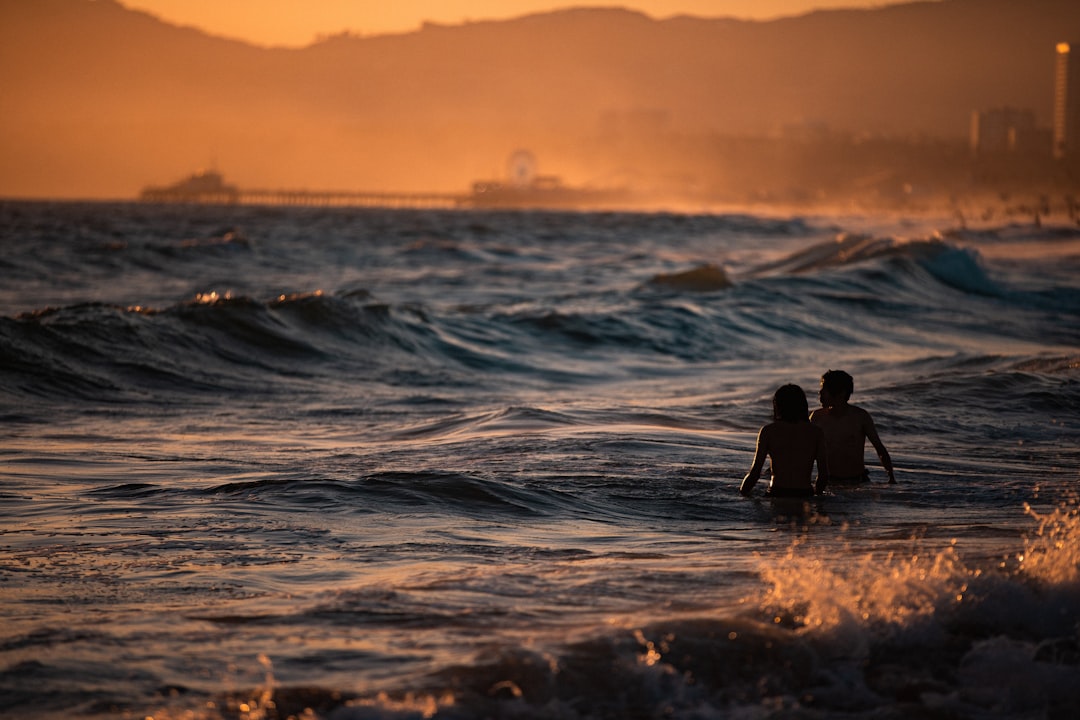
[1052, 554]
[849, 601]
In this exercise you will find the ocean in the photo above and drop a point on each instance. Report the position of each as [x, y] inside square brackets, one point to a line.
[349, 464]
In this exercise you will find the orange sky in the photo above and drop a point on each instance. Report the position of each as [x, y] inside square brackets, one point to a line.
[298, 22]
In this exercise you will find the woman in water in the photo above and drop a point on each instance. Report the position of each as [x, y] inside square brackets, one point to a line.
[793, 446]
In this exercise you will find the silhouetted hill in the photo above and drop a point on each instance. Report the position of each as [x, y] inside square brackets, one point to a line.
[99, 100]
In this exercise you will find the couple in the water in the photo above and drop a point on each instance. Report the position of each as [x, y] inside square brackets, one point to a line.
[833, 437]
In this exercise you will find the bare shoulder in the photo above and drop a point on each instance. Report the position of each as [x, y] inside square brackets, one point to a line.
[863, 415]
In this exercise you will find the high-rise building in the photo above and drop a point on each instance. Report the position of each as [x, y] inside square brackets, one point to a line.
[1067, 102]
[1006, 130]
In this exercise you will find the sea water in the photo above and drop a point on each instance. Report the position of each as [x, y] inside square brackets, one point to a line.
[347, 463]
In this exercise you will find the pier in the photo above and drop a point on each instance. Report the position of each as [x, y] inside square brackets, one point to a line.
[317, 198]
[209, 188]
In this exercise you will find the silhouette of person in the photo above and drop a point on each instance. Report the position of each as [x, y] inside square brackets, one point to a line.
[846, 429]
[793, 445]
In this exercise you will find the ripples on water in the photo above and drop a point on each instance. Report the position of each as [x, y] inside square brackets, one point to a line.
[407, 464]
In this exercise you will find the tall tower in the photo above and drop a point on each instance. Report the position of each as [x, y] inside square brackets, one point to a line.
[1067, 102]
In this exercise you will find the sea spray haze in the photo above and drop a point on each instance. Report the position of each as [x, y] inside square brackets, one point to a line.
[265, 463]
[101, 100]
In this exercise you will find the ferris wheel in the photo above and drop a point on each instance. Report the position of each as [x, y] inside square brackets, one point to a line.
[521, 168]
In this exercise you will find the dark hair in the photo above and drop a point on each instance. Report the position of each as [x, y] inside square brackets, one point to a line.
[789, 403]
[838, 383]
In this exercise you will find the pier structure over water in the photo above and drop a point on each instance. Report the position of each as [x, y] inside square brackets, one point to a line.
[542, 192]
[318, 198]
[209, 188]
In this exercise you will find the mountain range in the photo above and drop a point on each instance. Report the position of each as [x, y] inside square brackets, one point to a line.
[99, 100]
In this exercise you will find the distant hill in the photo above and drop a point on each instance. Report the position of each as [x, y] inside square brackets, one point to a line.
[98, 99]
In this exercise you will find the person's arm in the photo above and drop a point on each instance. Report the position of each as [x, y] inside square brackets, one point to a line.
[822, 458]
[879, 447]
[760, 452]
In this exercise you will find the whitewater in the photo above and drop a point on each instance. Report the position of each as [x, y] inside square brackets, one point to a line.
[355, 463]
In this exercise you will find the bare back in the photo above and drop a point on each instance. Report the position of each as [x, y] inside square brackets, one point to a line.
[846, 430]
[792, 449]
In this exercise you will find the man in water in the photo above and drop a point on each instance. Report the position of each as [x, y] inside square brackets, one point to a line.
[847, 428]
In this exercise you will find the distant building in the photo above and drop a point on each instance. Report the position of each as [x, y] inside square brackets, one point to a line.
[524, 188]
[1067, 102]
[205, 186]
[1006, 131]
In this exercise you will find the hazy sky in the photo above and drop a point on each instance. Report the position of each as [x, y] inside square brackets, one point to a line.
[297, 22]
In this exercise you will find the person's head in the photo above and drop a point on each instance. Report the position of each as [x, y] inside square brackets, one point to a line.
[836, 387]
[789, 404]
